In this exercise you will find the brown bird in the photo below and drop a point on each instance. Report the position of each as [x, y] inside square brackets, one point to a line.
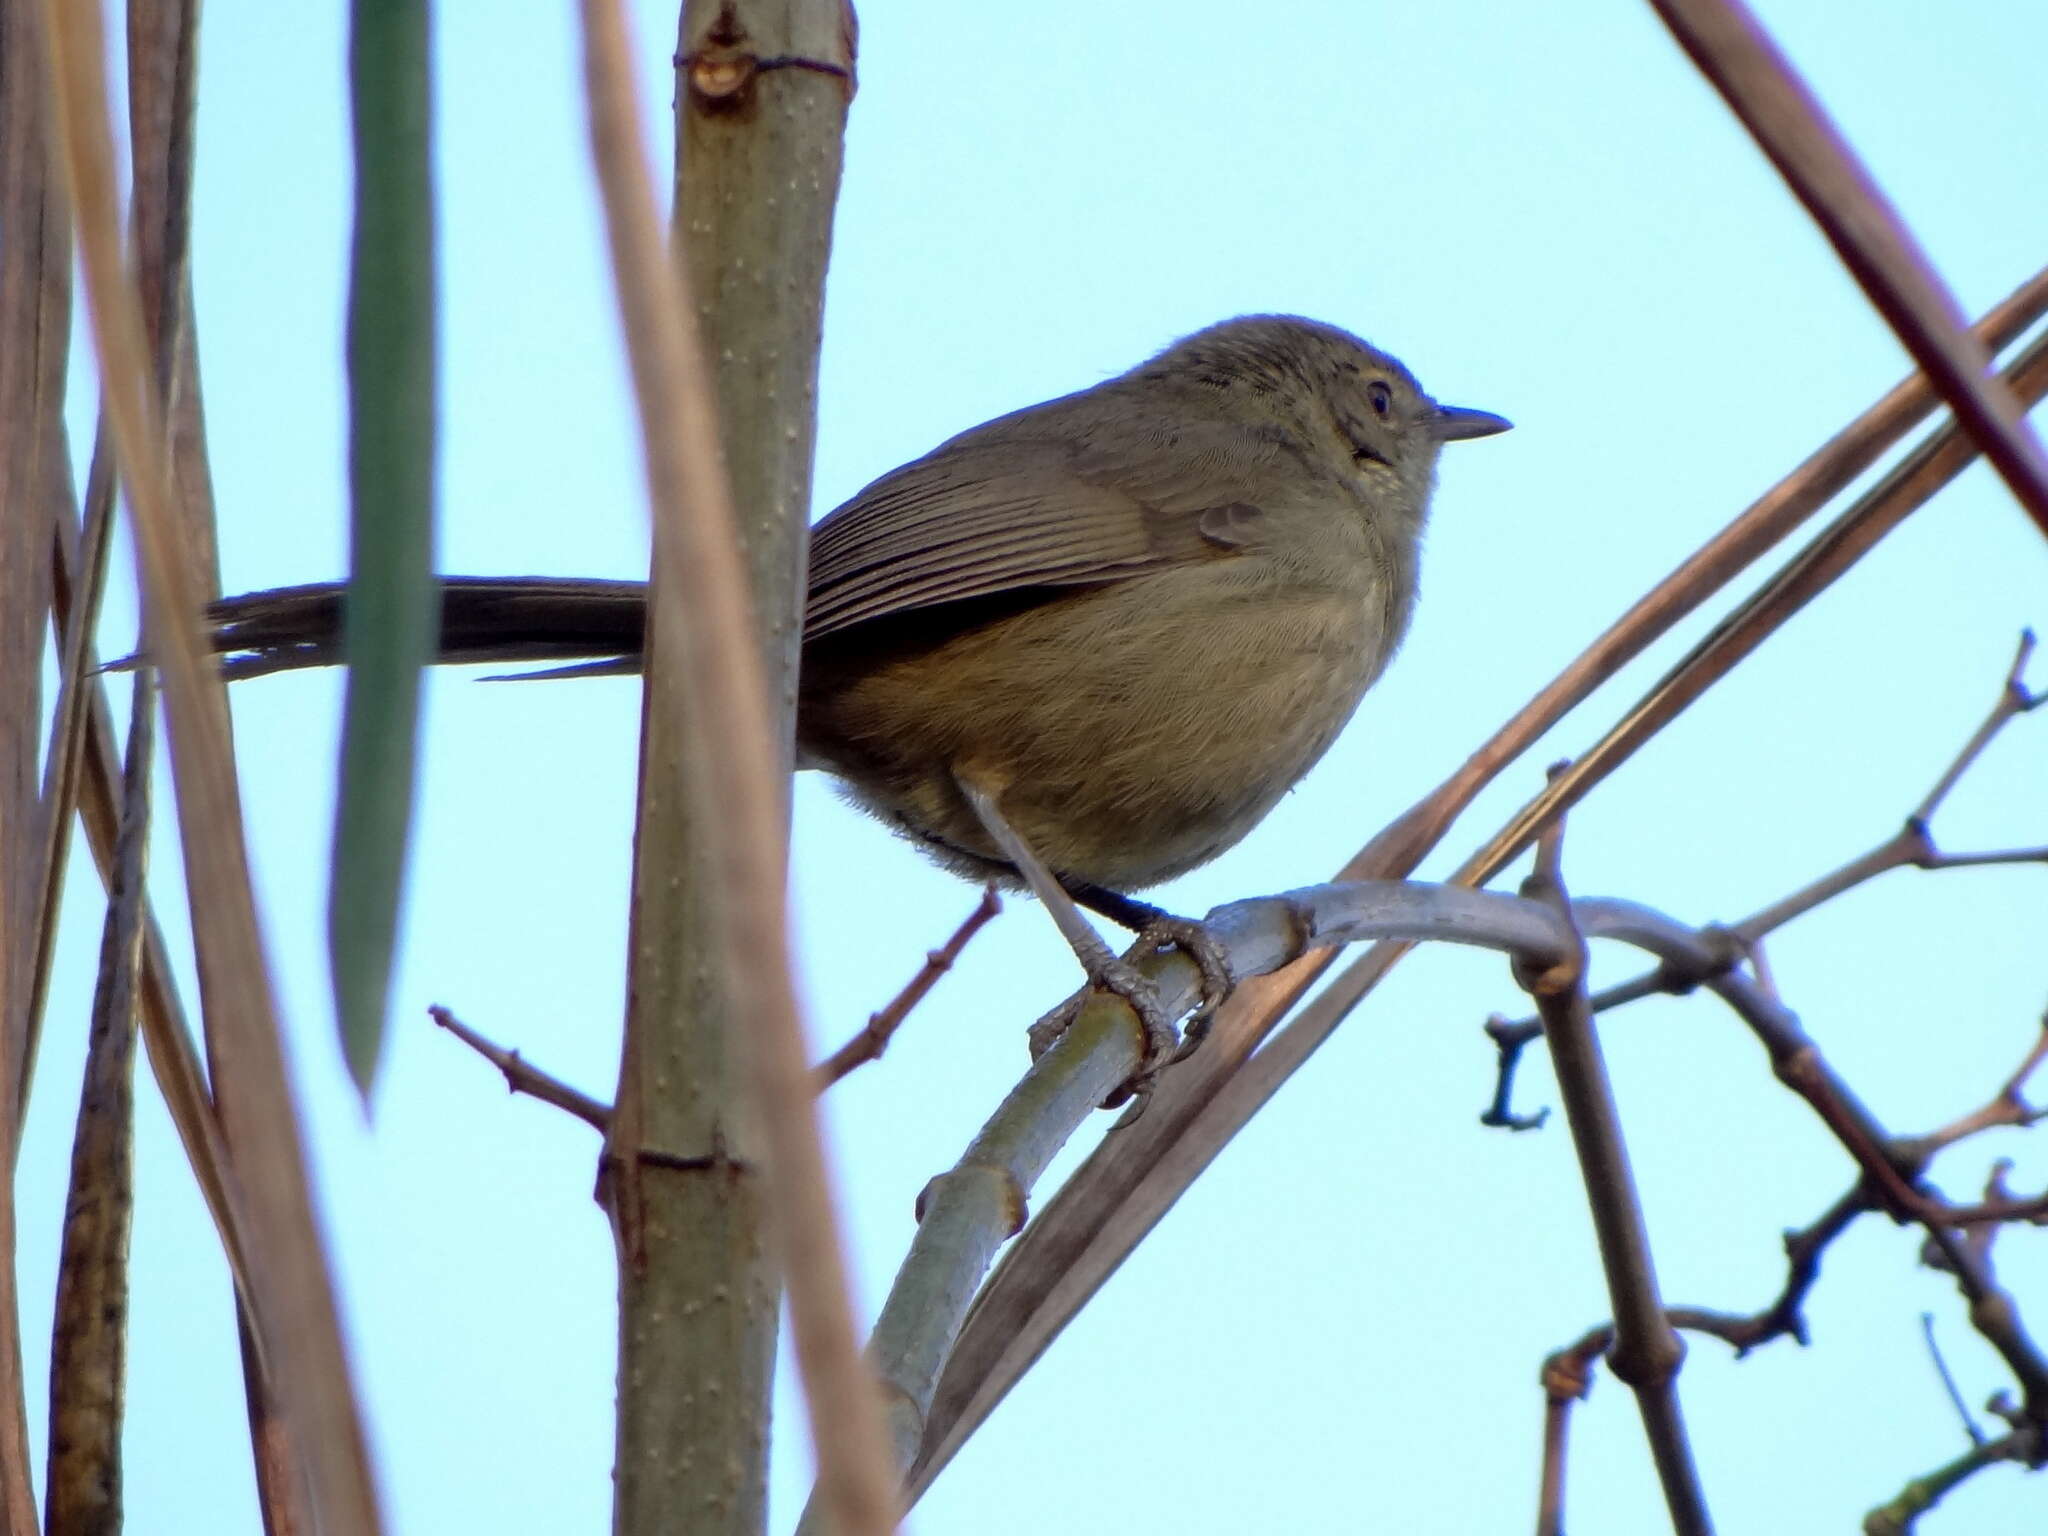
[1085, 646]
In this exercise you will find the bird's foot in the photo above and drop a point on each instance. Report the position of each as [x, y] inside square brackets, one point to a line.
[1111, 974]
[1211, 959]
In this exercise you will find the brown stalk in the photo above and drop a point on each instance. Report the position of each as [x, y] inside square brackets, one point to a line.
[35, 310]
[1911, 483]
[162, 53]
[293, 1294]
[89, 1348]
[162, 48]
[34, 325]
[1766, 94]
[161, 65]
[702, 669]
[75, 608]
[81, 735]
[1116, 1197]
[173, 1055]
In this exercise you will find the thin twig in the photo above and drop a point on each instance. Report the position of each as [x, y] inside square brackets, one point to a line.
[2007, 1107]
[1948, 1380]
[1567, 1373]
[1567, 1377]
[1510, 1042]
[35, 325]
[2013, 699]
[521, 1076]
[1891, 1168]
[1912, 844]
[873, 1038]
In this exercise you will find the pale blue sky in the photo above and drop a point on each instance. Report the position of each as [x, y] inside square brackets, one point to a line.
[1546, 214]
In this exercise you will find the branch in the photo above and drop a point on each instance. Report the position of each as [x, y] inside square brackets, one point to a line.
[521, 1076]
[874, 1036]
[1892, 1168]
[1913, 844]
[1645, 1350]
[716, 808]
[967, 1213]
[1898, 1517]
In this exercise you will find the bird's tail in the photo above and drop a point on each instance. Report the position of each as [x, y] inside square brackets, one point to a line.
[593, 623]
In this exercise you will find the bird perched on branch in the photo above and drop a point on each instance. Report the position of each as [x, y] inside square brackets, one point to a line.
[1086, 646]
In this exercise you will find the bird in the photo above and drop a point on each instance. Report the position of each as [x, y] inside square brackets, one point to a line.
[1084, 647]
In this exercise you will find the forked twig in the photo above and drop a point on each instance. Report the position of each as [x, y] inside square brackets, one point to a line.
[1912, 845]
[1566, 1374]
[1644, 1350]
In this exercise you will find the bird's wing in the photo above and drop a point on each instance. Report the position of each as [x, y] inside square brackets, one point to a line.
[975, 519]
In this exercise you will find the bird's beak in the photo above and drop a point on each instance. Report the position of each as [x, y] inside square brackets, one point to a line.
[1454, 423]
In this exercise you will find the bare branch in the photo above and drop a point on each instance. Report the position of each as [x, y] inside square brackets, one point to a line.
[874, 1036]
[1646, 1352]
[1912, 844]
[521, 1076]
[1898, 1517]
[2007, 1107]
[705, 670]
[2013, 699]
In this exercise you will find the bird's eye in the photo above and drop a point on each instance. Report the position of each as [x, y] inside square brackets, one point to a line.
[1382, 398]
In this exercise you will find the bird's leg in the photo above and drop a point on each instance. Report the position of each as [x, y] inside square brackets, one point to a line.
[1105, 969]
[1157, 926]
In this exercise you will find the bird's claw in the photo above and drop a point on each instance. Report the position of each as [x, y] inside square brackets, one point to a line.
[1163, 1044]
[1121, 979]
[1211, 959]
